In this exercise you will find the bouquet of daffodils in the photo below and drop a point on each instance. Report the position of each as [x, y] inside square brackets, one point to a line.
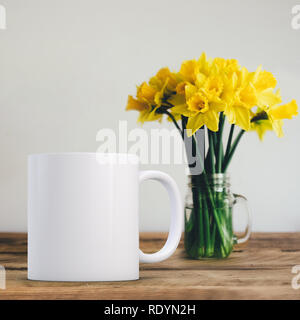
[201, 95]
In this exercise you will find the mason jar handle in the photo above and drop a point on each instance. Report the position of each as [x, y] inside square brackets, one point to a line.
[176, 217]
[241, 199]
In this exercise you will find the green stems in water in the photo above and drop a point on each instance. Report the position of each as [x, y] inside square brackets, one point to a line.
[208, 226]
[206, 232]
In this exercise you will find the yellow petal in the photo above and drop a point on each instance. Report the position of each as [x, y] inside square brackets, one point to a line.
[134, 104]
[159, 95]
[268, 98]
[244, 76]
[255, 75]
[217, 106]
[285, 111]
[146, 93]
[143, 116]
[230, 87]
[277, 127]
[248, 97]
[190, 91]
[204, 65]
[261, 127]
[195, 123]
[182, 109]
[163, 75]
[202, 60]
[177, 99]
[213, 86]
[200, 79]
[189, 70]
[238, 115]
[210, 119]
[263, 80]
[180, 88]
[198, 103]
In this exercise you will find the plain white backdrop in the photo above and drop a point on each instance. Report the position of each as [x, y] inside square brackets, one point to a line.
[67, 66]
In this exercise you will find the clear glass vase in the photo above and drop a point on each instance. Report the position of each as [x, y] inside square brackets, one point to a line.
[209, 207]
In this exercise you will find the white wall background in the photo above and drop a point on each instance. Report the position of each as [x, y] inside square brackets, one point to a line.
[67, 66]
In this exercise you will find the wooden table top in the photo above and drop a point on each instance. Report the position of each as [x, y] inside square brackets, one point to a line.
[260, 270]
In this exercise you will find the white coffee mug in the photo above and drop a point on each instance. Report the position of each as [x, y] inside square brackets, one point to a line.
[83, 217]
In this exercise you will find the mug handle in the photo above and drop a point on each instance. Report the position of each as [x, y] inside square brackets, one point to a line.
[239, 198]
[176, 225]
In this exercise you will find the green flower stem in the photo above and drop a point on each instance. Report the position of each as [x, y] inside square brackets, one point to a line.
[232, 127]
[184, 122]
[198, 227]
[213, 206]
[211, 151]
[213, 237]
[175, 122]
[208, 248]
[201, 224]
[232, 150]
[214, 139]
[219, 154]
[208, 161]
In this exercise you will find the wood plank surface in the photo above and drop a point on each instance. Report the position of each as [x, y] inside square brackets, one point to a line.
[262, 269]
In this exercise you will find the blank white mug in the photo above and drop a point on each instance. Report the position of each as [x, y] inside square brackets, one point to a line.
[83, 217]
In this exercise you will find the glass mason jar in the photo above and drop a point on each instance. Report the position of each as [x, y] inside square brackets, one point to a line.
[208, 217]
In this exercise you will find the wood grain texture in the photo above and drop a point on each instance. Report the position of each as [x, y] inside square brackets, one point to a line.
[259, 270]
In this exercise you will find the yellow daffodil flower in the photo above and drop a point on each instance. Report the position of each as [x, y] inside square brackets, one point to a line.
[264, 83]
[205, 87]
[200, 110]
[146, 112]
[240, 97]
[227, 67]
[164, 78]
[145, 103]
[146, 93]
[271, 118]
[189, 70]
